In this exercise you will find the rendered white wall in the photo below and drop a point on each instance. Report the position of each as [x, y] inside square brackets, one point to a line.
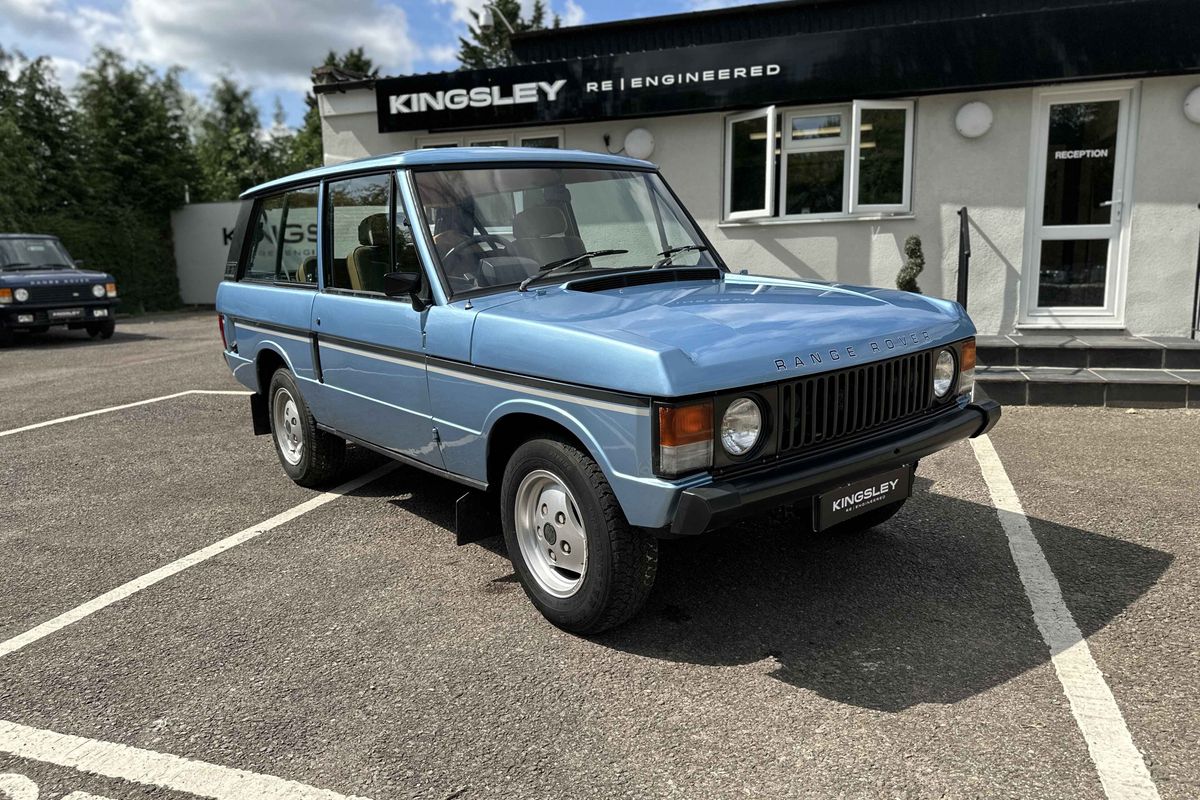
[988, 175]
[201, 232]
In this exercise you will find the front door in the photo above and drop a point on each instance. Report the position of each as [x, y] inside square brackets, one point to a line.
[1077, 223]
[370, 347]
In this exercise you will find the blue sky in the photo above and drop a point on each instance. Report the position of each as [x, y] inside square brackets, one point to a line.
[271, 45]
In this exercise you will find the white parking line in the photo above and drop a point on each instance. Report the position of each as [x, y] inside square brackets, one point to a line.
[191, 560]
[74, 417]
[152, 769]
[1122, 770]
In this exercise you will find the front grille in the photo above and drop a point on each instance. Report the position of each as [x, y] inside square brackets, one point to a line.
[822, 409]
[70, 293]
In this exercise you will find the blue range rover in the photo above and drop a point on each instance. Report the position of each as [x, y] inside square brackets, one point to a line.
[552, 330]
[40, 286]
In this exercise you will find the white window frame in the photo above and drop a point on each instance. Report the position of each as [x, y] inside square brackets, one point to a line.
[557, 133]
[768, 207]
[424, 142]
[477, 141]
[779, 131]
[856, 153]
[826, 145]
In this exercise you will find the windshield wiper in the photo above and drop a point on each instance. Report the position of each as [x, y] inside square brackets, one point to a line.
[554, 266]
[15, 264]
[669, 254]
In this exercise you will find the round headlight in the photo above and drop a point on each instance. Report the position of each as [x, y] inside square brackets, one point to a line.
[943, 373]
[21, 294]
[98, 290]
[741, 426]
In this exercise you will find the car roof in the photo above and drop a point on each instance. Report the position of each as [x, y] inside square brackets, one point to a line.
[27, 236]
[454, 156]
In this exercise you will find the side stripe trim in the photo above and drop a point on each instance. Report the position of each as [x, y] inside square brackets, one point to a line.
[271, 330]
[620, 408]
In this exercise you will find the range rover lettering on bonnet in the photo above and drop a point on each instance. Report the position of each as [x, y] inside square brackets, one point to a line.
[873, 347]
[554, 332]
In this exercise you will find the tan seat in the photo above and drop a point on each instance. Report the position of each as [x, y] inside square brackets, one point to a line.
[541, 234]
[371, 260]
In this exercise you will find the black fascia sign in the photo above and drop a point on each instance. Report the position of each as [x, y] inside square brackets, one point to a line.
[630, 85]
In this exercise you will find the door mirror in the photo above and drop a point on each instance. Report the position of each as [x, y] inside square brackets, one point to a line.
[404, 284]
[79, 262]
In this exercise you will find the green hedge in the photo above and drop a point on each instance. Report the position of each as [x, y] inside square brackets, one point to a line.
[126, 243]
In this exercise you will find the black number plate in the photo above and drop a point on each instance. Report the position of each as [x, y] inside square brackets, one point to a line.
[847, 502]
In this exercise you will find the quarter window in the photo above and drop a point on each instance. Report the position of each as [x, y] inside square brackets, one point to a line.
[284, 244]
[819, 163]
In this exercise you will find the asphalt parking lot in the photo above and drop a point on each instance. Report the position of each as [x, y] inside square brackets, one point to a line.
[350, 649]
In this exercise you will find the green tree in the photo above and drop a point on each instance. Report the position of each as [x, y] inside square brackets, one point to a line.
[138, 163]
[18, 167]
[229, 145]
[139, 154]
[307, 150]
[492, 47]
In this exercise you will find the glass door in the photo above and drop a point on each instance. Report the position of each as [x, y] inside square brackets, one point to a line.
[1075, 255]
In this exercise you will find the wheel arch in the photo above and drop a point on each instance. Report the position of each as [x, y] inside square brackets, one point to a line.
[509, 430]
[268, 359]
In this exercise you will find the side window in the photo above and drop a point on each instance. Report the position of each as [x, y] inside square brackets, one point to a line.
[365, 242]
[833, 162]
[262, 261]
[283, 246]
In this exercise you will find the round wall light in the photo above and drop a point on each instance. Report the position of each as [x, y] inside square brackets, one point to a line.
[639, 143]
[1191, 105]
[974, 119]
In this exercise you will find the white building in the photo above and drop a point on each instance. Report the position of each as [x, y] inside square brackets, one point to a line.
[812, 138]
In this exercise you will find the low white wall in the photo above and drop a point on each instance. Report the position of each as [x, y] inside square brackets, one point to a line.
[202, 232]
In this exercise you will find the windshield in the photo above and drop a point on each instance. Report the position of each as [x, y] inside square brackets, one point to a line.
[33, 253]
[498, 227]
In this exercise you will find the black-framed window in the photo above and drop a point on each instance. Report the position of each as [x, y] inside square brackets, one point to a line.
[283, 247]
[365, 240]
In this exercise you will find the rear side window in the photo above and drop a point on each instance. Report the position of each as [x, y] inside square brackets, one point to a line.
[365, 241]
[283, 246]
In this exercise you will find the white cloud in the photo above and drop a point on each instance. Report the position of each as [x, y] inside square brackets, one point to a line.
[573, 14]
[272, 45]
[461, 11]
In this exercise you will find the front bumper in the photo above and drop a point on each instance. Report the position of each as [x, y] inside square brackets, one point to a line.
[12, 315]
[713, 505]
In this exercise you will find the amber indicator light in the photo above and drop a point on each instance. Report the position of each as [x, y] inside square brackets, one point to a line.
[680, 425]
[968, 355]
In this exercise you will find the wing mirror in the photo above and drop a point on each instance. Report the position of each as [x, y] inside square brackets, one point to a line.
[404, 284]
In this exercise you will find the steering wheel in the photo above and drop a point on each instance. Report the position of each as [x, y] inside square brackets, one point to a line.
[478, 238]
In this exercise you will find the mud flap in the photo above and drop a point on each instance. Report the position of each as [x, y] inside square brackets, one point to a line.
[258, 414]
[476, 517]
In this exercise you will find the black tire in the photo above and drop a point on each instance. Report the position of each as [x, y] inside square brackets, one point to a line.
[322, 454]
[867, 521]
[621, 560]
[6, 337]
[104, 330]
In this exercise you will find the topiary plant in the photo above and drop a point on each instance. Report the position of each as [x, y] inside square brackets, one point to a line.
[914, 262]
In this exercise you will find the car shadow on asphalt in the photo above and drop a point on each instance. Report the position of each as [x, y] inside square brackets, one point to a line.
[927, 608]
[61, 339]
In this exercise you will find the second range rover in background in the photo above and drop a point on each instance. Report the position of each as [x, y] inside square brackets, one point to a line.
[42, 286]
[553, 331]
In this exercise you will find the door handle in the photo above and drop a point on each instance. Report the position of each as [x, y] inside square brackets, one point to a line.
[1107, 203]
